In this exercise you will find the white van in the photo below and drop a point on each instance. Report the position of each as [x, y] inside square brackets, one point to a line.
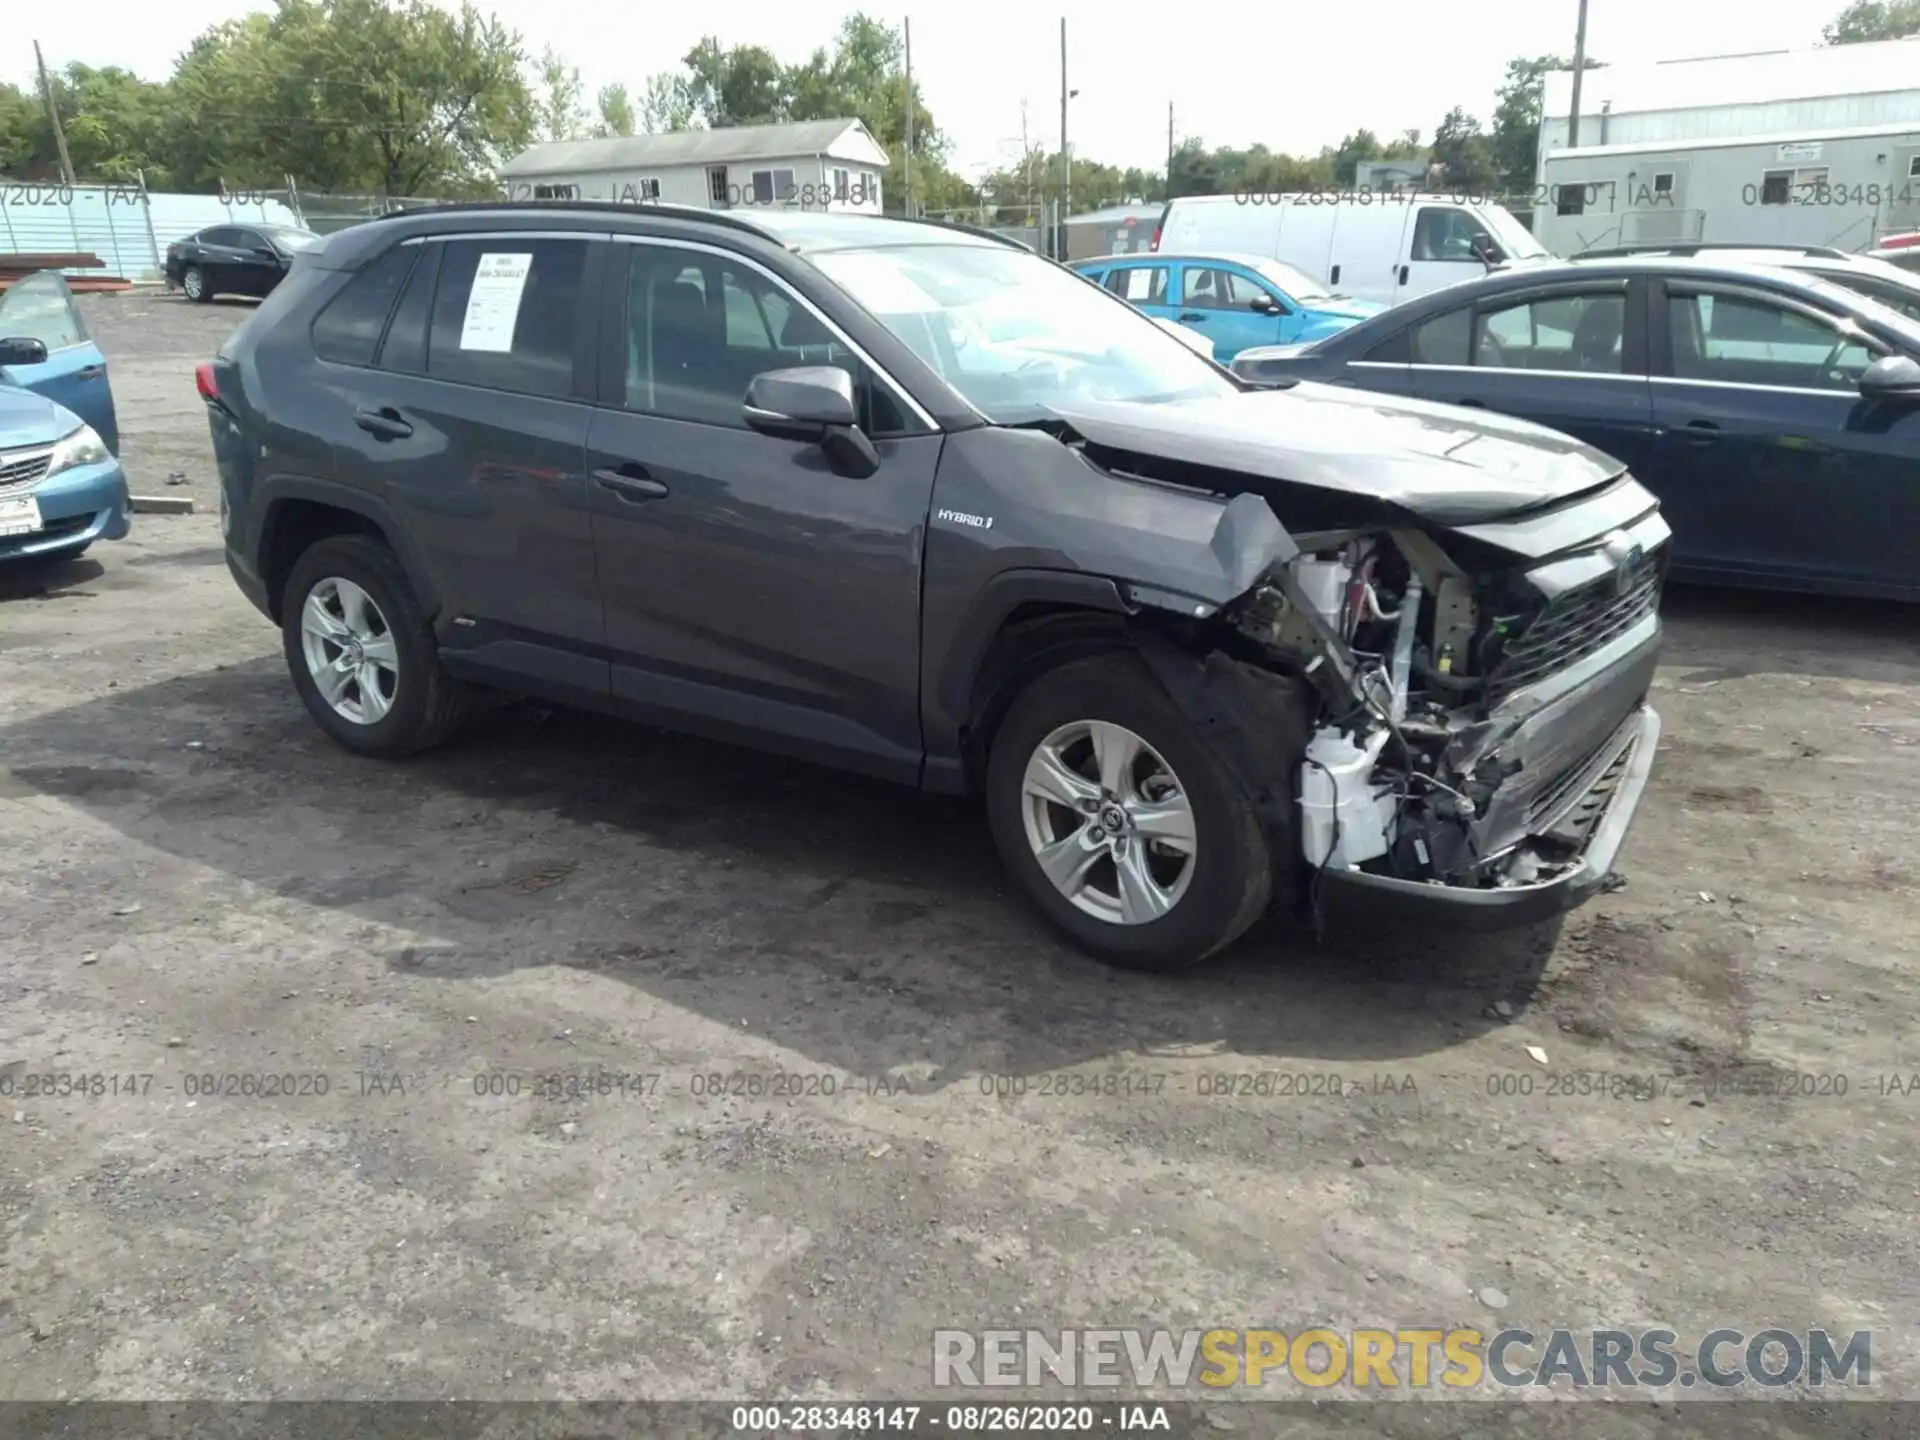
[1366, 244]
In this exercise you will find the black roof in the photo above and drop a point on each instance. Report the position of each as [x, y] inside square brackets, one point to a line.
[797, 230]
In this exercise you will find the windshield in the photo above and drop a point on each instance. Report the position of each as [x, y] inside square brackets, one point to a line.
[286, 237]
[1017, 335]
[1297, 283]
[1511, 235]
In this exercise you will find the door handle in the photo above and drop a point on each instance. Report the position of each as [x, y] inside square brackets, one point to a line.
[93, 372]
[383, 424]
[1334, 278]
[1471, 404]
[1403, 274]
[630, 483]
[1191, 316]
[1700, 432]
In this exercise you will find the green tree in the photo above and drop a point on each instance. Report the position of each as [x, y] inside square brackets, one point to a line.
[616, 111]
[20, 122]
[667, 105]
[397, 95]
[1361, 145]
[1462, 147]
[1514, 144]
[560, 115]
[1866, 20]
[743, 85]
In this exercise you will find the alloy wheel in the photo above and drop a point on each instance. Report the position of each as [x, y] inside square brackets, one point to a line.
[193, 283]
[1109, 822]
[349, 651]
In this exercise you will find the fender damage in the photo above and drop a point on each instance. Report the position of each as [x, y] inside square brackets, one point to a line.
[1424, 720]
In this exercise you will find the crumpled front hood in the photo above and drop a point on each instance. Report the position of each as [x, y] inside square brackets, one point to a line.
[1445, 464]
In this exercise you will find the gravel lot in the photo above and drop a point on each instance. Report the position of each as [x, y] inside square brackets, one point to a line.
[194, 882]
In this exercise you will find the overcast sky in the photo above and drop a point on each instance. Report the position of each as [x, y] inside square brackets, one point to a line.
[1296, 76]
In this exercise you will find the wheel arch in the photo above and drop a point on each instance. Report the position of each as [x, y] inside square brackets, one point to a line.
[298, 513]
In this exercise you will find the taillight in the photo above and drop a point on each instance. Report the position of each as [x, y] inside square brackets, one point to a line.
[204, 382]
[1154, 243]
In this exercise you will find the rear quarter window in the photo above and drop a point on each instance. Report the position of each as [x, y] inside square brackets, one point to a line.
[347, 331]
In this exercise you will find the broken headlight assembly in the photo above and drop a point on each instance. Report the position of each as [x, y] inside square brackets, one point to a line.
[1407, 655]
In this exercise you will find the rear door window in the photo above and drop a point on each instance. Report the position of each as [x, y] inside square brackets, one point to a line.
[506, 313]
[1141, 284]
[1445, 340]
[1580, 333]
[41, 308]
[348, 330]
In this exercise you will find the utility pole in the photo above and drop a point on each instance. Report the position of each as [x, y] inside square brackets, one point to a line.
[53, 116]
[906, 30]
[1169, 184]
[1026, 161]
[1066, 163]
[1579, 70]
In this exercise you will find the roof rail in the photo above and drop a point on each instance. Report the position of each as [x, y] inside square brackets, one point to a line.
[1695, 247]
[684, 212]
[623, 207]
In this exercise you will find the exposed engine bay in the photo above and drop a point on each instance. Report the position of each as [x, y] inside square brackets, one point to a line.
[1425, 764]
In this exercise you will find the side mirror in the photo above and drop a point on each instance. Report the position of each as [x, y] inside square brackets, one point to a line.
[813, 404]
[1891, 377]
[1484, 249]
[1265, 305]
[22, 350]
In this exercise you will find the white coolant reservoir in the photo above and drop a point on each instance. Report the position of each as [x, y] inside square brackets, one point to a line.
[1343, 820]
[1324, 582]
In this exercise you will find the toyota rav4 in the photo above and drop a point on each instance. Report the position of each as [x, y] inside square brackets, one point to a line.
[1205, 651]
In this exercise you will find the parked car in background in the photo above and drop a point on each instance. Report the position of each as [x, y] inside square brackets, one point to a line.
[70, 369]
[1370, 245]
[235, 259]
[768, 477]
[1865, 274]
[1900, 250]
[1775, 413]
[1233, 300]
[61, 487]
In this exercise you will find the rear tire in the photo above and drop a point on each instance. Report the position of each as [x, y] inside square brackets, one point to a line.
[1142, 901]
[193, 284]
[349, 620]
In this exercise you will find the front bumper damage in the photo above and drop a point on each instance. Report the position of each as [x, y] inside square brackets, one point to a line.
[1596, 818]
[1500, 802]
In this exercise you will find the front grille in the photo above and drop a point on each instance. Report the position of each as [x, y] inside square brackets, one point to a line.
[1577, 624]
[21, 470]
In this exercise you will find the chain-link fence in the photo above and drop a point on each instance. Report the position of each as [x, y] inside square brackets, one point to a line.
[1031, 229]
[324, 213]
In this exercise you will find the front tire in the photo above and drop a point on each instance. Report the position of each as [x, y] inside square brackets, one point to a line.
[1120, 823]
[193, 284]
[362, 654]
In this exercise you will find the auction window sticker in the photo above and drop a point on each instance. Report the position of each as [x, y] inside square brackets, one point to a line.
[493, 304]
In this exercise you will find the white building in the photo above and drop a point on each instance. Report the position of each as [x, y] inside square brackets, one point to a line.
[814, 165]
[1809, 147]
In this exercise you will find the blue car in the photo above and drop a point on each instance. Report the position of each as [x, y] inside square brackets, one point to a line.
[61, 486]
[1236, 301]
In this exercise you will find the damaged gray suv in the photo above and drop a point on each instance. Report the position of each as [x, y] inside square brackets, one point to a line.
[910, 500]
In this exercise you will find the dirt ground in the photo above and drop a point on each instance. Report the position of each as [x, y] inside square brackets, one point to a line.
[194, 882]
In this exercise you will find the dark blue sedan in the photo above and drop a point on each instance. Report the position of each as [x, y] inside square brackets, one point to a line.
[1776, 415]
